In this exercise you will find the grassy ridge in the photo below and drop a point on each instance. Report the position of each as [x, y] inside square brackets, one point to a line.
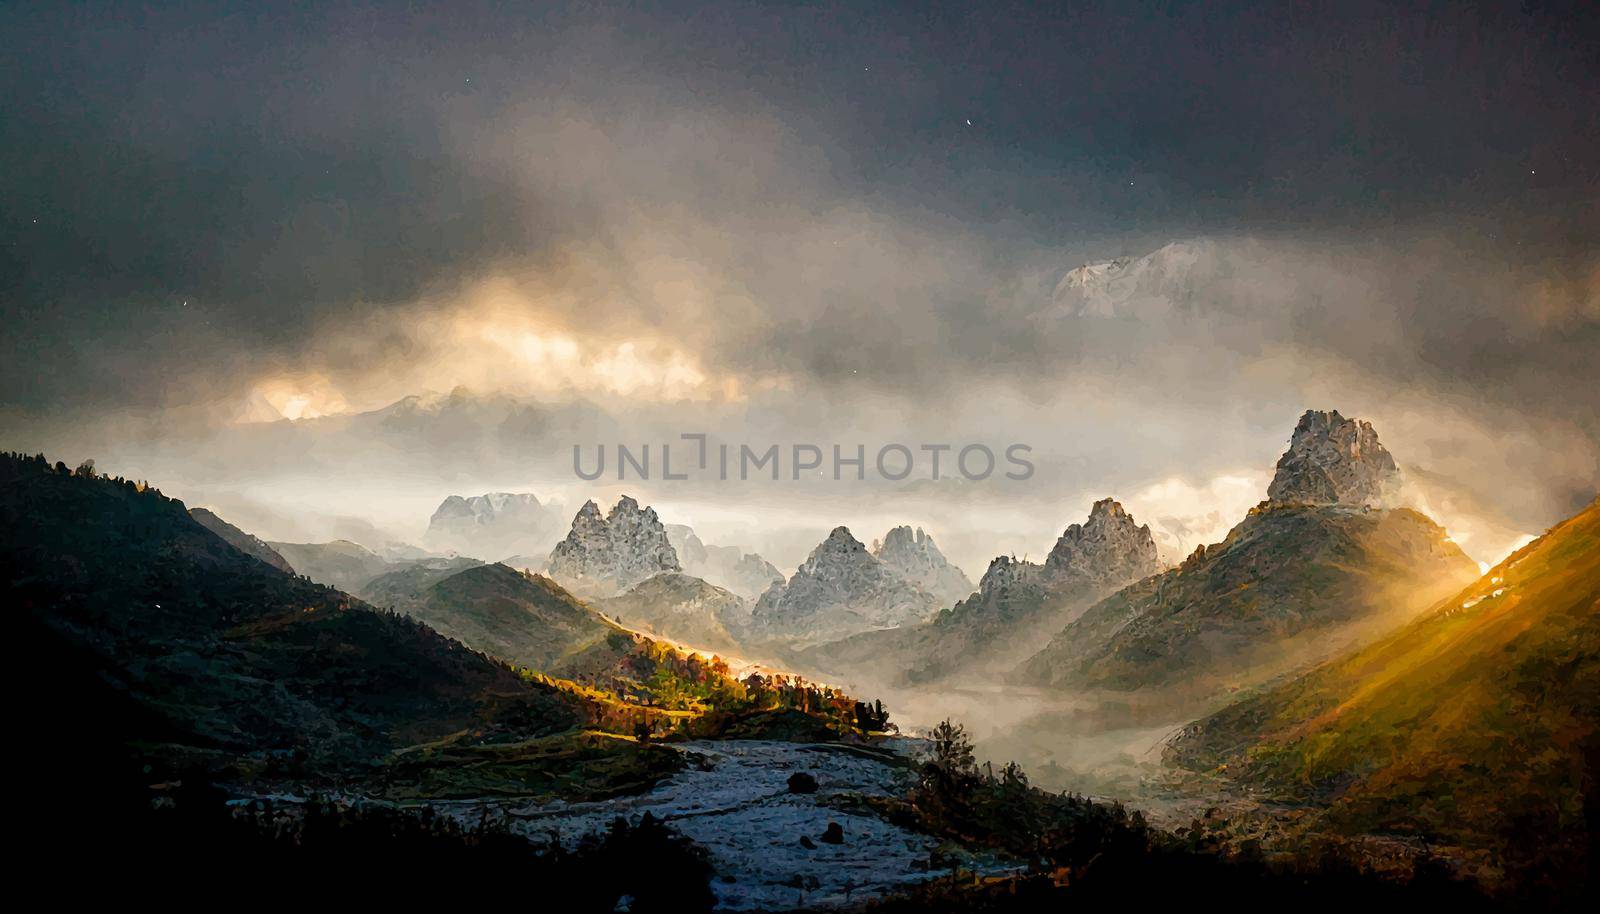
[1473, 726]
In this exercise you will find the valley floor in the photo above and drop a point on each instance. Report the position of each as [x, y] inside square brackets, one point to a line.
[732, 799]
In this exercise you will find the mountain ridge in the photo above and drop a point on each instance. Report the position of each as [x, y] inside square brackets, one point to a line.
[247, 543]
[1295, 580]
[1017, 603]
[1490, 697]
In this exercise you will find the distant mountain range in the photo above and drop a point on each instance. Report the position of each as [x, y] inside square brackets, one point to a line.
[729, 567]
[1018, 605]
[340, 564]
[494, 525]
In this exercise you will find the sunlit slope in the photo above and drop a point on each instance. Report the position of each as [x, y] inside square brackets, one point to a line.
[1473, 721]
[681, 607]
[526, 619]
[1290, 585]
[533, 623]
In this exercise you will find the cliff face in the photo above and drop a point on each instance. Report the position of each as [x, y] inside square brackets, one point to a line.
[1109, 549]
[602, 556]
[1332, 460]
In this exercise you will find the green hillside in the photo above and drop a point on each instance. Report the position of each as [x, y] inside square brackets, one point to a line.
[1474, 727]
[406, 585]
[532, 622]
[681, 607]
[525, 619]
[226, 654]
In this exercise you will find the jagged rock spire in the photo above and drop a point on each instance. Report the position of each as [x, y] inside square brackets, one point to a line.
[841, 589]
[602, 555]
[1109, 548]
[1332, 460]
[914, 555]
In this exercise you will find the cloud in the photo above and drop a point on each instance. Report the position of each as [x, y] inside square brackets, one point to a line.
[603, 238]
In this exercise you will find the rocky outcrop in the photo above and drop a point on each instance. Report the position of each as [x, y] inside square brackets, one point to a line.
[493, 525]
[1108, 550]
[744, 573]
[1332, 460]
[841, 589]
[1006, 571]
[914, 556]
[602, 556]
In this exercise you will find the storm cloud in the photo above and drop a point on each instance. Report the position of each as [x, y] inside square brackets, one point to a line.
[813, 224]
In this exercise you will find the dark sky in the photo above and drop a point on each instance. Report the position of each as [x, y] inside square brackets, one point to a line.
[157, 152]
[194, 197]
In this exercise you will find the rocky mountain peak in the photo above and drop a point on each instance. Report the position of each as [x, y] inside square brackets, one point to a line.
[1110, 548]
[1158, 284]
[1333, 460]
[1006, 571]
[1106, 508]
[839, 541]
[601, 556]
[841, 589]
[915, 557]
